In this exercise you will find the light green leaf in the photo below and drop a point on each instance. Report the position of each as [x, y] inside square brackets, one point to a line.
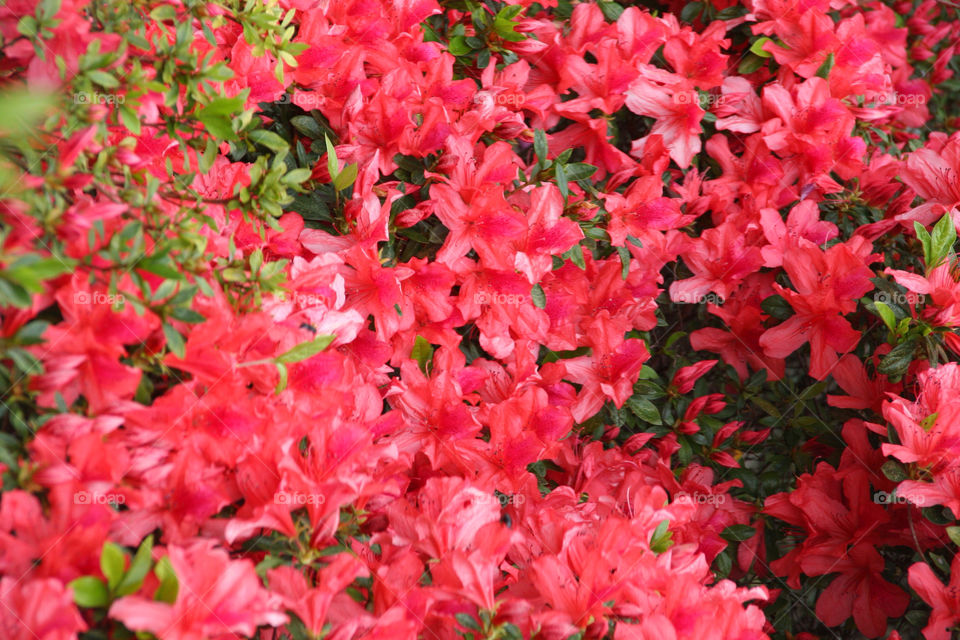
[306, 350]
[757, 47]
[112, 563]
[826, 67]
[268, 139]
[333, 164]
[345, 178]
[283, 376]
[133, 578]
[538, 296]
[175, 341]
[89, 592]
[422, 352]
[942, 240]
[169, 584]
[886, 313]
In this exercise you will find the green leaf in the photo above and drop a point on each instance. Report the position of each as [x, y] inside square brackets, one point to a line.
[25, 361]
[504, 25]
[561, 176]
[894, 471]
[162, 267]
[305, 350]
[308, 126]
[184, 314]
[538, 296]
[346, 177]
[169, 585]
[89, 592]
[886, 313]
[256, 261]
[942, 240]
[662, 538]
[14, 295]
[268, 562]
[954, 533]
[333, 164]
[738, 533]
[624, 254]
[103, 79]
[611, 10]
[164, 12]
[644, 409]
[130, 119]
[540, 145]
[579, 171]
[936, 515]
[221, 106]
[458, 46]
[722, 564]
[768, 407]
[22, 108]
[220, 127]
[750, 64]
[927, 423]
[175, 341]
[112, 563]
[27, 26]
[268, 139]
[757, 47]
[575, 253]
[139, 567]
[30, 271]
[924, 237]
[297, 176]
[898, 360]
[422, 352]
[284, 374]
[467, 621]
[776, 307]
[826, 67]
[690, 11]
[732, 12]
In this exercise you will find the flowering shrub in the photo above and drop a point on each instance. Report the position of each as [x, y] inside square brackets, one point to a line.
[446, 319]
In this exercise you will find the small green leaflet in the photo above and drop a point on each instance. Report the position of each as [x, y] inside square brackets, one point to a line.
[305, 350]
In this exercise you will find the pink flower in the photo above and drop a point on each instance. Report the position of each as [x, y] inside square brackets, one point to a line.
[216, 596]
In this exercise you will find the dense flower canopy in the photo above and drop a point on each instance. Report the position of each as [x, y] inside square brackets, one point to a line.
[449, 319]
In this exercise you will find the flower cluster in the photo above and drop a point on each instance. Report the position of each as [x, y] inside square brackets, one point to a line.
[564, 320]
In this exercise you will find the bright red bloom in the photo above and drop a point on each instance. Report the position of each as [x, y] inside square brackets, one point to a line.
[827, 285]
[677, 112]
[859, 590]
[945, 599]
[216, 596]
[607, 376]
[38, 609]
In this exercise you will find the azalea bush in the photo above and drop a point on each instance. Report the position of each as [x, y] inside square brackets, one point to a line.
[470, 320]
